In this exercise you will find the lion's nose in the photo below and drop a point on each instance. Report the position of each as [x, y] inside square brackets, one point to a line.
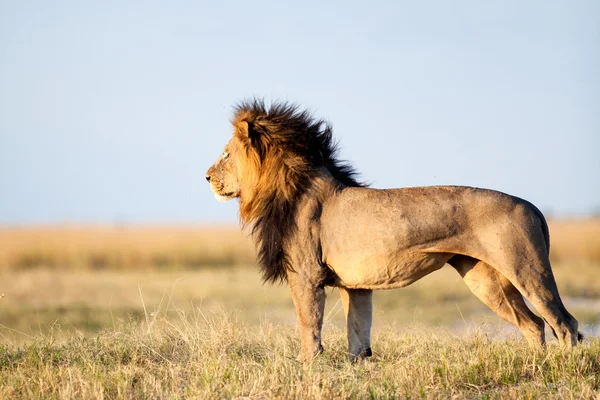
[207, 178]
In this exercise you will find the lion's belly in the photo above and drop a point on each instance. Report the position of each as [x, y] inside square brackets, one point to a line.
[391, 238]
[385, 272]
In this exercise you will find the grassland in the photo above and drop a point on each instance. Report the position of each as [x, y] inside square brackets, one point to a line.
[177, 312]
[123, 247]
[37, 300]
[214, 356]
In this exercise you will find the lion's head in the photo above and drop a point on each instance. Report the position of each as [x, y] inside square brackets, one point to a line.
[274, 156]
[224, 174]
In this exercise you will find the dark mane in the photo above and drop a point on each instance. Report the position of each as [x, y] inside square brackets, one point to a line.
[292, 148]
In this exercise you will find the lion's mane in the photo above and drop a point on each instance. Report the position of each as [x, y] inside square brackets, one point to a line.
[284, 150]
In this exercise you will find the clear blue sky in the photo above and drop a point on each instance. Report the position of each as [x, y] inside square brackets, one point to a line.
[111, 111]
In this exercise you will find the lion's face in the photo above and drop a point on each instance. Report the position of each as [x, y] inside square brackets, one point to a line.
[224, 174]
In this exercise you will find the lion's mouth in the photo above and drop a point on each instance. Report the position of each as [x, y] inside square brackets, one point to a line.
[223, 197]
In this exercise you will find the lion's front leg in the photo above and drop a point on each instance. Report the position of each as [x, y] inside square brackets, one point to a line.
[309, 300]
[358, 307]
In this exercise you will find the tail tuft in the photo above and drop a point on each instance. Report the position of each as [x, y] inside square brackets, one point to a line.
[580, 337]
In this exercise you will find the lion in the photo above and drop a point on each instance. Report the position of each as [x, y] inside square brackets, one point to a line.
[315, 225]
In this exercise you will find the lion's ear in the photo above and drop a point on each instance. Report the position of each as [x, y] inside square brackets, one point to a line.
[247, 131]
[243, 129]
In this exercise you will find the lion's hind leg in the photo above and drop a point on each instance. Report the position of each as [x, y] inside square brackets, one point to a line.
[544, 297]
[358, 307]
[495, 291]
[530, 272]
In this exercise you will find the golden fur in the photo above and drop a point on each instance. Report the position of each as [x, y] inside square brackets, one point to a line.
[278, 154]
[315, 225]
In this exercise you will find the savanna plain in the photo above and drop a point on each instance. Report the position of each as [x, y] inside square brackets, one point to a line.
[181, 312]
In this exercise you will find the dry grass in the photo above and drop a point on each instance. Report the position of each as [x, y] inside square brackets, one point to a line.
[162, 246]
[105, 247]
[108, 313]
[215, 356]
[575, 240]
[36, 300]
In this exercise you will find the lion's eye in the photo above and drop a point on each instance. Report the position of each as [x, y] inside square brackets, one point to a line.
[225, 155]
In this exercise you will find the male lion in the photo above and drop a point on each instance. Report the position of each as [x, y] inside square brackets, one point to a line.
[314, 226]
